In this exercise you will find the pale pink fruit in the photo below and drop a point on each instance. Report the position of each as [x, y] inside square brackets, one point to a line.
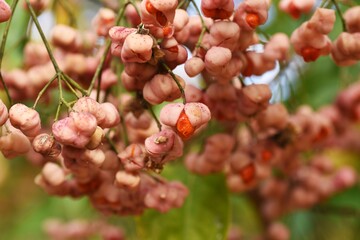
[224, 34]
[46, 145]
[137, 48]
[186, 119]
[75, 64]
[143, 71]
[108, 79]
[322, 21]
[181, 19]
[63, 36]
[160, 143]
[5, 11]
[14, 143]
[254, 98]
[66, 132]
[112, 116]
[296, 7]
[278, 231]
[220, 9]
[352, 19]
[219, 91]
[127, 180]
[139, 122]
[345, 177]
[346, 49]
[194, 66]
[131, 83]
[3, 113]
[171, 49]
[133, 157]
[192, 93]
[251, 13]
[158, 12]
[216, 59]
[162, 88]
[310, 40]
[87, 104]
[181, 58]
[274, 116]
[165, 196]
[118, 35]
[35, 54]
[103, 21]
[53, 174]
[84, 122]
[218, 148]
[38, 5]
[26, 119]
[277, 48]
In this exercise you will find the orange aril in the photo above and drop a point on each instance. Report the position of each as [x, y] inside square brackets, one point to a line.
[174, 49]
[216, 13]
[184, 127]
[266, 155]
[247, 173]
[252, 19]
[310, 54]
[150, 8]
[167, 31]
[294, 11]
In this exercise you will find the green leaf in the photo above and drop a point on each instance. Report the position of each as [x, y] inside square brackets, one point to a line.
[205, 214]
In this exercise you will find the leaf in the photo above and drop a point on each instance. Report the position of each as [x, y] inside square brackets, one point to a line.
[205, 214]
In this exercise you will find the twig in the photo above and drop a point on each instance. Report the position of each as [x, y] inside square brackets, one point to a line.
[151, 110]
[340, 14]
[2, 48]
[124, 130]
[106, 51]
[182, 91]
[42, 35]
[44, 89]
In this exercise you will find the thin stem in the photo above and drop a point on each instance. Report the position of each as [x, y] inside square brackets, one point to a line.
[44, 89]
[151, 110]
[340, 14]
[204, 28]
[132, 2]
[124, 130]
[199, 13]
[2, 48]
[323, 3]
[182, 3]
[99, 84]
[106, 51]
[71, 89]
[74, 83]
[111, 143]
[241, 80]
[199, 41]
[182, 91]
[42, 35]
[59, 104]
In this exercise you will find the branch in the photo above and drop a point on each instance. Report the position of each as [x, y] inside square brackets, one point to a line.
[2, 48]
[340, 14]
